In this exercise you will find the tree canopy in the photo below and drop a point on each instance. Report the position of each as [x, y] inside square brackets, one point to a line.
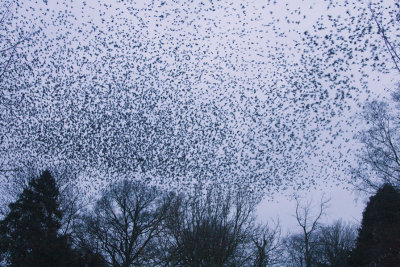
[29, 233]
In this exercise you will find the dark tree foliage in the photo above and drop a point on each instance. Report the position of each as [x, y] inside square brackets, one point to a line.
[29, 233]
[378, 242]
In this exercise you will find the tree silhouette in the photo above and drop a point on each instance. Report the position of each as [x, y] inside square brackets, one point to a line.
[335, 243]
[125, 223]
[267, 246]
[213, 229]
[301, 247]
[378, 242]
[378, 160]
[29, 233]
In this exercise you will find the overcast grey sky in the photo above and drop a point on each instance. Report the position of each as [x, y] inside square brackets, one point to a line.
[235, 76]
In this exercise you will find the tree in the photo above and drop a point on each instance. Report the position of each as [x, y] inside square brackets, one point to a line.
[72, 204]
[390, 45]
[125, 222]
[211, 229]
[302, 247]
[329, 245]
[335, 243]
[29, 233]
[378, 159]
[294, 250]
[267, 246]
[378, 241]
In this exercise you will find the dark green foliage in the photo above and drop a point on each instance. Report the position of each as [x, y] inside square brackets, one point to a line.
[29, 233]
[378, 242]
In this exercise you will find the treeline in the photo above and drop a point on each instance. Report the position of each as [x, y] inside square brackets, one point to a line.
[133, 224]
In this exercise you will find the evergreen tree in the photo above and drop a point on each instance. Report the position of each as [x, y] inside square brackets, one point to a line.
[378, 242]
[29, 233]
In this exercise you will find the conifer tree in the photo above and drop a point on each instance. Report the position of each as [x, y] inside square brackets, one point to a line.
[378, 242]
[29, 233]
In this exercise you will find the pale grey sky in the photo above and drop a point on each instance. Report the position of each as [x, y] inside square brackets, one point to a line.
[235, 76]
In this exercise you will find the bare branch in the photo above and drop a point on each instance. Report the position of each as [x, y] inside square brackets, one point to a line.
[309, 225]
[392, 51]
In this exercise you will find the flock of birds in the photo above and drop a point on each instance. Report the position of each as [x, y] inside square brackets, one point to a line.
[227, 93]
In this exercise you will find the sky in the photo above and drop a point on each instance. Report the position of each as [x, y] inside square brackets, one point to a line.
[258, 94]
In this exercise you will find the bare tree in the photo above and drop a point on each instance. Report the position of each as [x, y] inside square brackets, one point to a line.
[125, 222]
[294, 250]
[390, 46]
[335, 243]
[211, 230]
[267, 246]
[301, 247]
[73, 201]
[378, 158]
